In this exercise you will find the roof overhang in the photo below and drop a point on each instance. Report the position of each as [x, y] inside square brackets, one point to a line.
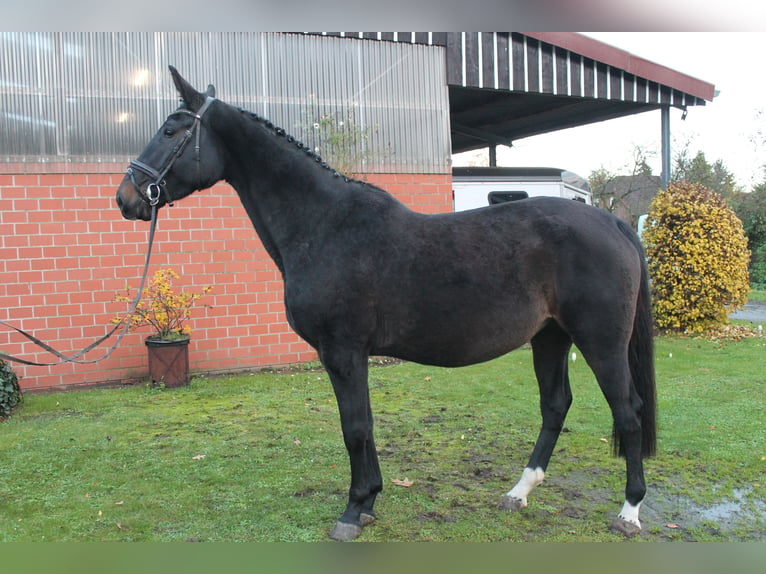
[508, 86]
[627, 62]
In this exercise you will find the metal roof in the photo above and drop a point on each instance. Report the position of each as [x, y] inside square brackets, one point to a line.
[505, 86]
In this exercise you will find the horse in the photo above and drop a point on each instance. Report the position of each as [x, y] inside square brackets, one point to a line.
[366, 276]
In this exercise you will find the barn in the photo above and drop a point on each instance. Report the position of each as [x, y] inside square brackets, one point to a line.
[391, 108]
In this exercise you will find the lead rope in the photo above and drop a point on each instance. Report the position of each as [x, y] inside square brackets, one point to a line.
[124, 322]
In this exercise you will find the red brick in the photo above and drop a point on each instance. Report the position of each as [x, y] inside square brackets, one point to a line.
[64, 192]
[26, 180]
[43, 264]
[52, 179]
[102, 179]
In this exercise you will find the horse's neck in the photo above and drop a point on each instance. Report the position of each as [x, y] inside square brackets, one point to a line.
[284, 190]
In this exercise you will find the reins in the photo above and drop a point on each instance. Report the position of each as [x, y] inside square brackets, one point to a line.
[124, 322]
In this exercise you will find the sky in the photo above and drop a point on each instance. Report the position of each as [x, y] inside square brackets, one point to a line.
[724, 129]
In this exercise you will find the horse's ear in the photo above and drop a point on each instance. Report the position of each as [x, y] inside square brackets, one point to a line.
[210, 91]
[191, 97]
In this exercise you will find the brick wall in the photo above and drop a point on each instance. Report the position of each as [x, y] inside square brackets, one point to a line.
[65, 252]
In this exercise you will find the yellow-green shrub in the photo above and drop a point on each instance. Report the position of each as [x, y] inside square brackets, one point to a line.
[698, 258]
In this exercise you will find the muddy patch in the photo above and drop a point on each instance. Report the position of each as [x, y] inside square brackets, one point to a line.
[741, 514]
[742, 511]
[435, 517]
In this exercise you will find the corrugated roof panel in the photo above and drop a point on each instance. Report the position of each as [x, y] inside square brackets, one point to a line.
[101, 96]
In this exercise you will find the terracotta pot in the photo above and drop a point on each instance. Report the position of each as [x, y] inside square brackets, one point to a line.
[168, 361]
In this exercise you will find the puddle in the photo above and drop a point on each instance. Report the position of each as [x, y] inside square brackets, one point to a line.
[741, 510]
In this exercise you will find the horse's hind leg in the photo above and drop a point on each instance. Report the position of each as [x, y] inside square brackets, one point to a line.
[550, 349]
[348, 374]
[613, 376]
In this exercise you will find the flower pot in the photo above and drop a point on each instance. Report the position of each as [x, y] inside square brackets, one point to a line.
[168, 361]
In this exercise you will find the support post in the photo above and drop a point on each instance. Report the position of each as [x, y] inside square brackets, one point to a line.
[665, 175]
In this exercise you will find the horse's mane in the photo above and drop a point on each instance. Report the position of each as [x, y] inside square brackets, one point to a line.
[305, 148]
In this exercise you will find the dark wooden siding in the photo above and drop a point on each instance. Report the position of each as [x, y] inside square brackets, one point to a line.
[518, 62]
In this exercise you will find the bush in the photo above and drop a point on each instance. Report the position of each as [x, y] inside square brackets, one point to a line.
[10, 392]
[698, 258]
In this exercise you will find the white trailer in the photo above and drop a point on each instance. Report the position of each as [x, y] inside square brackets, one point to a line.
[481, 186]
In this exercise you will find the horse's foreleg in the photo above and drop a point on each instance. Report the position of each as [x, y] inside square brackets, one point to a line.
[550, 349]
[348, 373]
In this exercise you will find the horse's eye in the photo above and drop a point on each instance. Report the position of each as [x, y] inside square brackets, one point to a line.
[169, 131]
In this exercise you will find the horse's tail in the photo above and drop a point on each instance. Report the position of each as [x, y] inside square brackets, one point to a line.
[641, 358]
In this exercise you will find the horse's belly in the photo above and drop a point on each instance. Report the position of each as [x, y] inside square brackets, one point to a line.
[448, 355]
[461, 343]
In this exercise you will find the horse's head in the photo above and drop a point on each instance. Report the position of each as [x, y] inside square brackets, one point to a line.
[183, 156]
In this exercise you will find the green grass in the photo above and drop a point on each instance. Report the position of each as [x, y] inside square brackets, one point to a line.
[757, 295]
[260, 457]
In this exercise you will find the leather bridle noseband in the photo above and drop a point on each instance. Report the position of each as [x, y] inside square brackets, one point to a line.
[156, 188]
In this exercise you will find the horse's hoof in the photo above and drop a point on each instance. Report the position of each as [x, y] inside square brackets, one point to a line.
[366, 519]
[622, 526]
[511, 503]
[343, 531]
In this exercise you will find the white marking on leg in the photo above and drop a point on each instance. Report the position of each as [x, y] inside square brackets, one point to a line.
[629, 513]
[530, 478]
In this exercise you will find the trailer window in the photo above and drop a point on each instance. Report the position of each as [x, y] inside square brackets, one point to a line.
[495, 197]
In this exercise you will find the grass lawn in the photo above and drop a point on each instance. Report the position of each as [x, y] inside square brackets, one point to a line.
[259, 457]
[757, 295]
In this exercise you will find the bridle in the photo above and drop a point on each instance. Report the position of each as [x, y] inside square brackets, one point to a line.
[154, 192]
[156, 188]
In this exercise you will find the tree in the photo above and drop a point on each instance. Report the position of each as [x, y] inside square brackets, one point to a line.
[342, 140]
[751, 209]
[598, 180]
[627, 196]
[643, 169]
[698, 258]
[715, 176]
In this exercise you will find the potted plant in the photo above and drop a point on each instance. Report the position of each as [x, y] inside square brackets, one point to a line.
[167, 312]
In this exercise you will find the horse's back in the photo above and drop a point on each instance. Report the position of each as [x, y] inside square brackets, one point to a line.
[528, 240]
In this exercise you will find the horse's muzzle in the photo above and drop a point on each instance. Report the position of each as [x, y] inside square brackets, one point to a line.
[131, 205]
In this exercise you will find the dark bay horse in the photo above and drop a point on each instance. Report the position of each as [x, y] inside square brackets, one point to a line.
[364, 275]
